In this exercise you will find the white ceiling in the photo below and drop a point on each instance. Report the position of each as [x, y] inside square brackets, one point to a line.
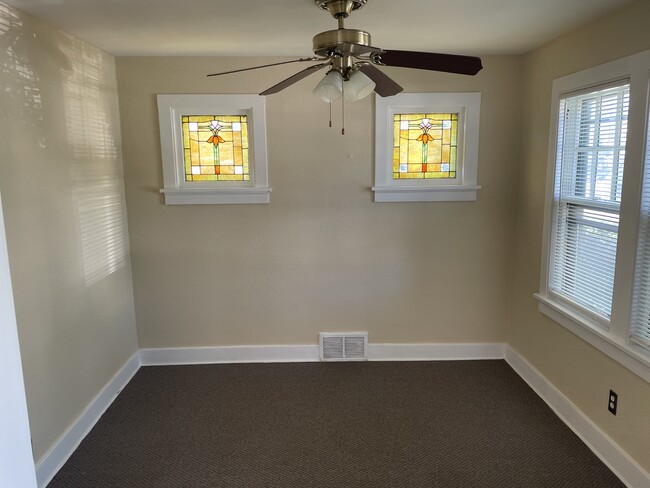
[286, 27]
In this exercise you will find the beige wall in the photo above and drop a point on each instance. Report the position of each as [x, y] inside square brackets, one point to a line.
[321, 256]
[62, 193]
[577, 369]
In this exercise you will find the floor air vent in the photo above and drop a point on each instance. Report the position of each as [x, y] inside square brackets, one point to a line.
[344, 347]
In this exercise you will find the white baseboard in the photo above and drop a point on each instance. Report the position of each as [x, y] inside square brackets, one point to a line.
[63, 448]
[600, 443]
[228, 354]
[309, 353]
[435, 352]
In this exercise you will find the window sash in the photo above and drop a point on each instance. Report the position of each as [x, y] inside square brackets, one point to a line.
[590, 156]
[640, 319]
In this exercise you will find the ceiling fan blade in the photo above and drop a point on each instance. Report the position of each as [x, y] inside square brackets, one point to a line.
[294, 79]
[264, 66]
[384, 86]
[449, 63]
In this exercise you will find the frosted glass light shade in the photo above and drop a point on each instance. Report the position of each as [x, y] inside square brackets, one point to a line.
[358, 86]
[330, 87]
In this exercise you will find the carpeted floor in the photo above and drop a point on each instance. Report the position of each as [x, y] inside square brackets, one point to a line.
[404, 424]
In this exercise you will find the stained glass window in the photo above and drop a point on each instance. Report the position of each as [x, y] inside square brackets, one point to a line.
[215, 147]
[425, 146]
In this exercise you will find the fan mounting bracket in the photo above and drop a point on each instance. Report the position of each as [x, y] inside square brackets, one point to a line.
[340, 8]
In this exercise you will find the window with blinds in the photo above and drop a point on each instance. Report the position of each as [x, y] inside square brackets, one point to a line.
[592, 129]
[640, 326]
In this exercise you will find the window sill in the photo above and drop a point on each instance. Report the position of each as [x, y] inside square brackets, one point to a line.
[202, 196]
[449, 193]
[627, 355]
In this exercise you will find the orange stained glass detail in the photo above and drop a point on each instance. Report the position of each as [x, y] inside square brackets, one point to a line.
[425, 145]
[215, 147]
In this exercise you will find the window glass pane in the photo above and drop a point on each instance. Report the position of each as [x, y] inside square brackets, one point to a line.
[215, 147]
[591, 150]
[425, 146]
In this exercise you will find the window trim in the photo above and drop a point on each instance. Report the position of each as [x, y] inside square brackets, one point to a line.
[179, 192]
[461, 188]
[614, 340]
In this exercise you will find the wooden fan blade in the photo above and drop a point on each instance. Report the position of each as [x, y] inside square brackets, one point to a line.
[294, 79]
[264, 66]
[449, 63]
[384, 86]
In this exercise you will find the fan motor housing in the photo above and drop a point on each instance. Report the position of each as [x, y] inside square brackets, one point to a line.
[329, 41]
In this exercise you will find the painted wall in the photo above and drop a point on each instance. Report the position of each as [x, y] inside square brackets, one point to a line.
[580, 371]
[62, 193]
[321, 256]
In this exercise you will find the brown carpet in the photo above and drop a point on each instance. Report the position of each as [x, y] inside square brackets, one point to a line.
[406, 424]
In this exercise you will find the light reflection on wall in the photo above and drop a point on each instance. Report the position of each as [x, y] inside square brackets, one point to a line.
[91, 159]
[97, 187]
[89, 127]
[19, 82]
[98, 197]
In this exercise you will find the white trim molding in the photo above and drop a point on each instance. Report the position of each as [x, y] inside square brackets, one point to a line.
[310, 353]
[228, 354]
[199, 196]
[608, 451]
[463, 187]
[57, 456]
[624, 354]
[177, 191]
[465, 193]
[435, 352]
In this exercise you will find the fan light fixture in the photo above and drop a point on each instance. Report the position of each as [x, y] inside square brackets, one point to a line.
[332, 86]
[358, 86]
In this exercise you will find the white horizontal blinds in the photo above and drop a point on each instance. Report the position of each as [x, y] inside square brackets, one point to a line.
[640, 326]
[589, 179]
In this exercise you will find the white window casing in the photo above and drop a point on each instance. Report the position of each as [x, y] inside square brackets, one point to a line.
[461, 188]
[587, 192]
[591, 222]
[177, 191]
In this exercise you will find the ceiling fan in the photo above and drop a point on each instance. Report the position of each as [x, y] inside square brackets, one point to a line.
[352, 61]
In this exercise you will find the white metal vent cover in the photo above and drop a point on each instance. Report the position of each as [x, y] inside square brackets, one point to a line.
[349, 346]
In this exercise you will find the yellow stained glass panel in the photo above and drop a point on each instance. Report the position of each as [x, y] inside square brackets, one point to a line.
[425, 145]
[212, 144]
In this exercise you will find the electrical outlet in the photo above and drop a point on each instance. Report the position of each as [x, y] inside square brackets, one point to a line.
[613, 402]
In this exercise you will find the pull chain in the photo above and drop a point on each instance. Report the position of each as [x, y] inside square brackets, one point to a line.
[343, 109]
[330, 112]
